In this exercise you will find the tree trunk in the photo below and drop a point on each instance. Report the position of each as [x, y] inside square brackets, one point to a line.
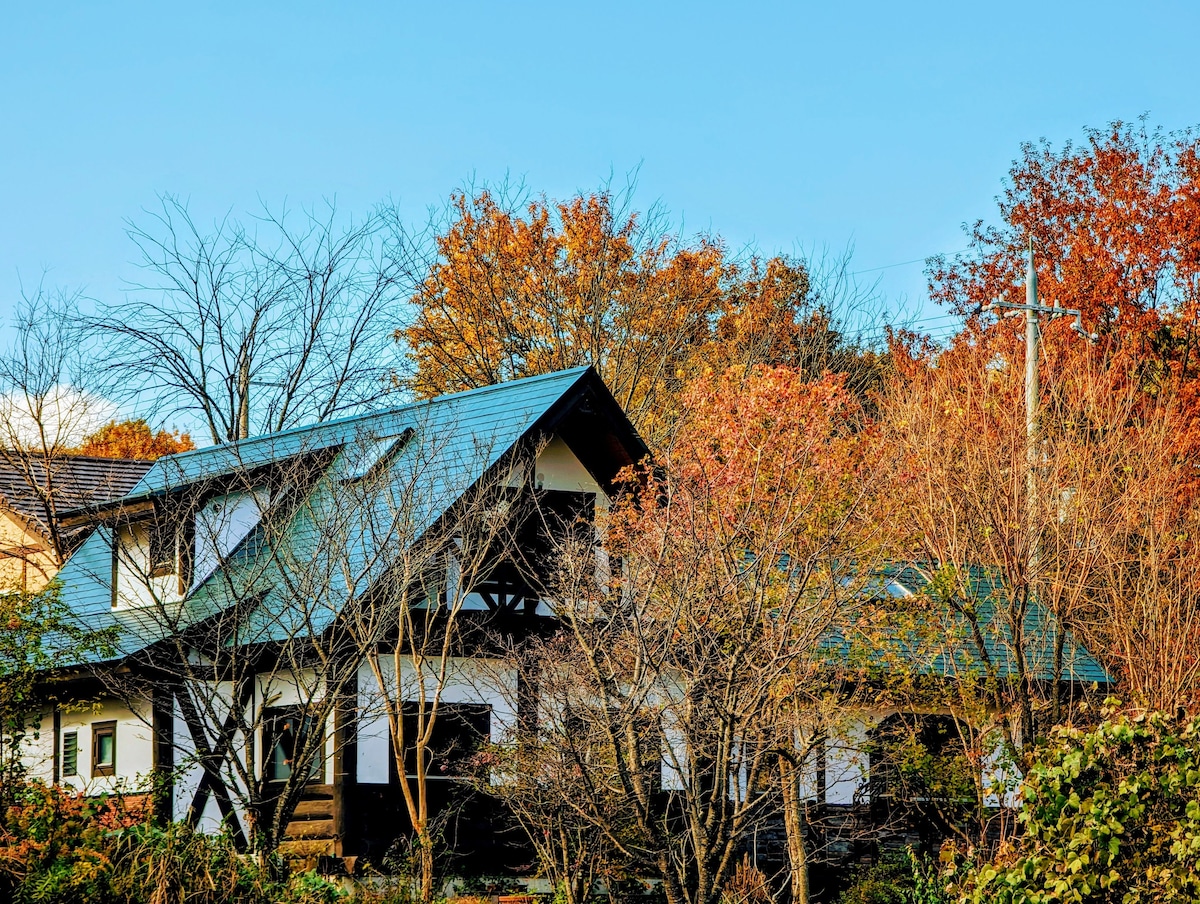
[793, 822]
[425, 843]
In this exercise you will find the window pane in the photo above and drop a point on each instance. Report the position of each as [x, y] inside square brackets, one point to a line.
[104, 750]
[288, 735]
[281, 752]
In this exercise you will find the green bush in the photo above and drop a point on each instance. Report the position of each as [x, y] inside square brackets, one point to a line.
[897, 879]
[1111, 814]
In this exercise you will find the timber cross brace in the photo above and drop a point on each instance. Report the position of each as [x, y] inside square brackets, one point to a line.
[211, 757]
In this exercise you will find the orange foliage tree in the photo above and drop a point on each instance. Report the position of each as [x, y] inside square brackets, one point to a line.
[134, 439]
[1115, 225]
[738, 552]
[520, 291]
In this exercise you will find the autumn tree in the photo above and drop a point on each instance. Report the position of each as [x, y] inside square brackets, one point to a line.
[669, 678]
[1112, 221]
[134, 439]
[516, 290]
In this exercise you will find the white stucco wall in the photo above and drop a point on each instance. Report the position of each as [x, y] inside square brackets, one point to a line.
[221, 525]
[219, 696]
[558, 468]
[134, 751]
[847, 762]
[37, 746]
[134, 587]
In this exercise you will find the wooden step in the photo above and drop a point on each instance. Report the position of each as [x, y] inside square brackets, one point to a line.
[310, 828]
[307, 848]
[313, 809]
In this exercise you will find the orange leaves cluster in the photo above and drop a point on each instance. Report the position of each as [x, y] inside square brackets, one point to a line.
[134, 439]
[517, 292]
[1114, 223]
[765, 466]
[773, 450]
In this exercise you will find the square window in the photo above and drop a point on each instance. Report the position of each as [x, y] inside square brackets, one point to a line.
[163, 559]
[289, 735]
[70, 753]
[104, 748]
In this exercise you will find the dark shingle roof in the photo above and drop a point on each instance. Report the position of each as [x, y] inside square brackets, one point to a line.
[39, 489]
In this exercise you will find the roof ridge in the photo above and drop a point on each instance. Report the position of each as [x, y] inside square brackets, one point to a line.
[383, 412]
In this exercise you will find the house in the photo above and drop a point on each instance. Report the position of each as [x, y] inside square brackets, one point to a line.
[282, 611]
[247, 573]
[36, 492]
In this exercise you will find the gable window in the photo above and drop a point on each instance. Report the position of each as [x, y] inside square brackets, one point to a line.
[104, 748]
[70, 754]
[163, 559]
[289, 735]
[151, 562]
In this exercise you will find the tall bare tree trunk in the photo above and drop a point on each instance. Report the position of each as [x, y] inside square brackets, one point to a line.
[793, 823]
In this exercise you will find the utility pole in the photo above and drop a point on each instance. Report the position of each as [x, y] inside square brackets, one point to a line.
[1033, 310]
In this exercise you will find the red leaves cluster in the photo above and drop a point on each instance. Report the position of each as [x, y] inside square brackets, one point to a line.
[1115, 223]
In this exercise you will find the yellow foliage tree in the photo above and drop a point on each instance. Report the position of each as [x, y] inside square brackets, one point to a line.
[516, 291]
[134, 439]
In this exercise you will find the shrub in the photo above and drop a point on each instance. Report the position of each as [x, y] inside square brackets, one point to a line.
[747, 885]
[1111, 814]
[897, 879]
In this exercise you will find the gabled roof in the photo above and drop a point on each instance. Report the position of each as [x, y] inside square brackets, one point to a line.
[955, 652]
[38, 489]
[455, 440]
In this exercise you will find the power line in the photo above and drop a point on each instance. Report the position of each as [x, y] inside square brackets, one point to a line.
[915, 260]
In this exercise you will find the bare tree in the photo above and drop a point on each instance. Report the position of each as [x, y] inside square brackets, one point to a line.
[256, 328]
[425, 633]
[48, 403]
[295, 595]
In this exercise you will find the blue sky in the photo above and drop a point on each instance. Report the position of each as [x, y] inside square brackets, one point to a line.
[783, 125]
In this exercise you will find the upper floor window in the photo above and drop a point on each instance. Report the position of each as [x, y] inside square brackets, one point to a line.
[151, 562]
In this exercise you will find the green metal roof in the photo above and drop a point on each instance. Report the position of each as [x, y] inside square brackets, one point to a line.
[937, 638]
[455, 439]
[452, 442]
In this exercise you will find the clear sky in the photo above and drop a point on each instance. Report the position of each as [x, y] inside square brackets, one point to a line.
[785, 125]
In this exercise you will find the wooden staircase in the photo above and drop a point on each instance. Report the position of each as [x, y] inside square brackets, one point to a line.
[312, 831]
